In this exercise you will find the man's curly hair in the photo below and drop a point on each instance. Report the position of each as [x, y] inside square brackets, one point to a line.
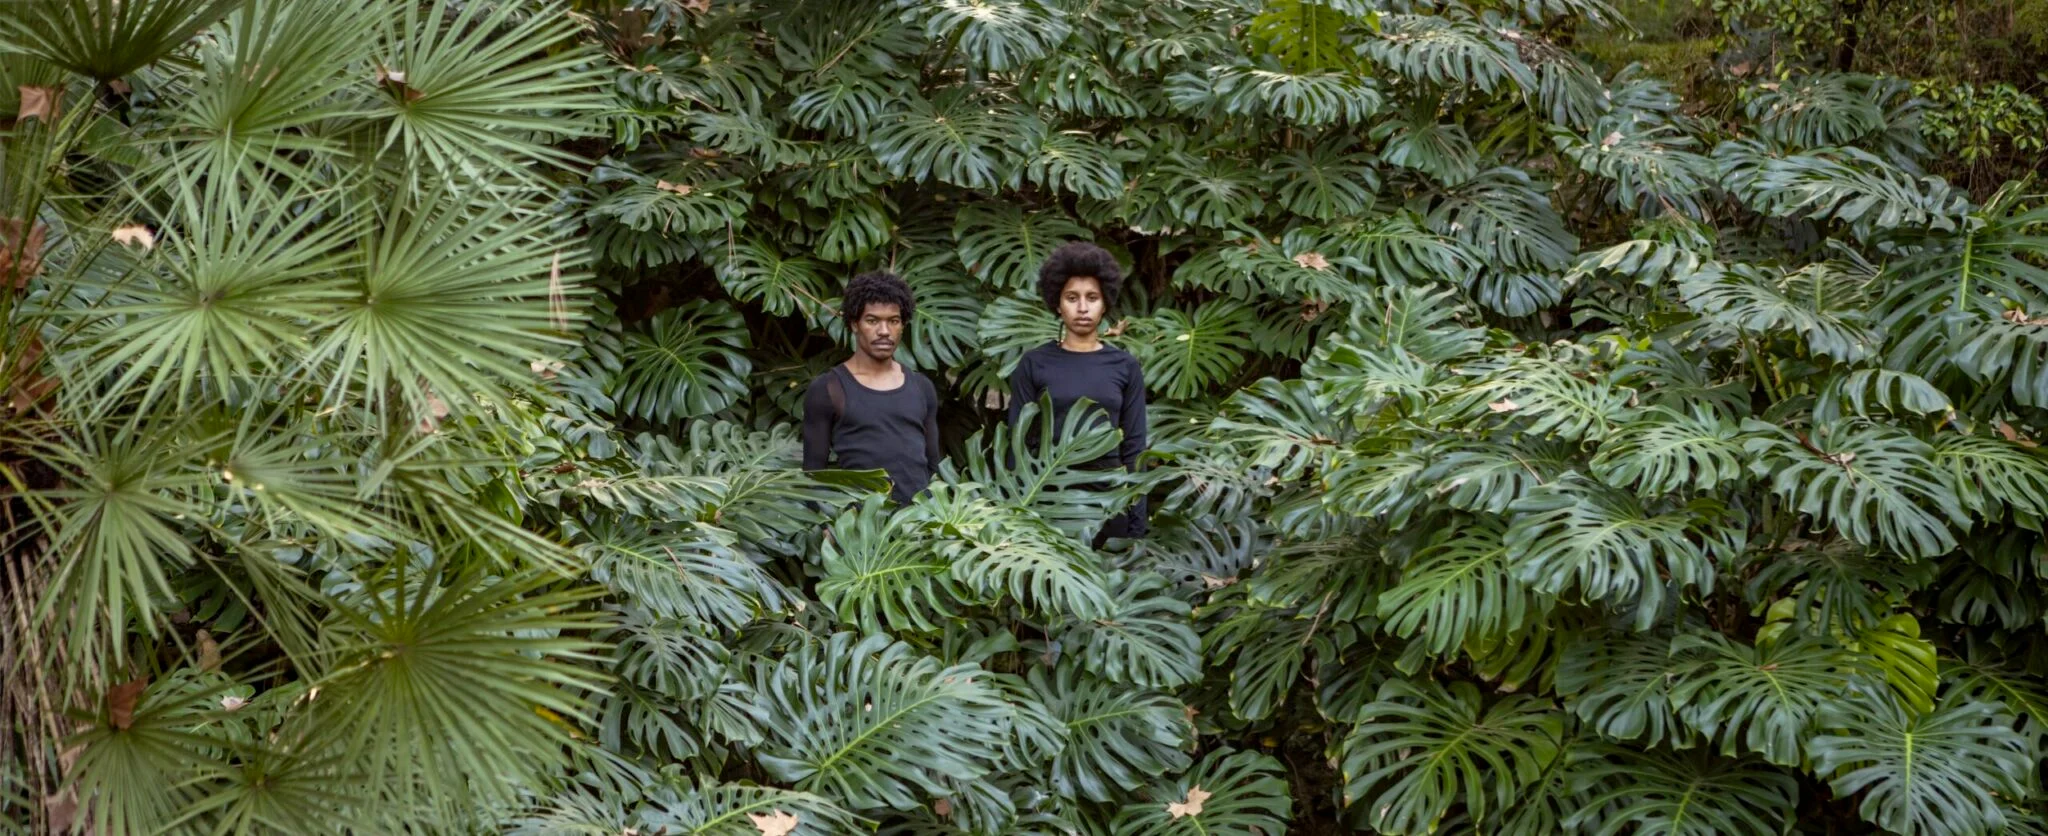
[879, 287]
[1079, 258]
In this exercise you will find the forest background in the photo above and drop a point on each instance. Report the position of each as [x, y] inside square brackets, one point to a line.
[1568, 418]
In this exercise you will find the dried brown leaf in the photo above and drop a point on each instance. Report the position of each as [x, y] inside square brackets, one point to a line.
[558, 296]
[121, 701]
[209, 652]
[943, 807]
[678, 188]
[39, 102]
[1313, 261]
[776, 823]
[1503, 405]
[135, 234]
[1213, 582]
[21, 251]
[1191, 806]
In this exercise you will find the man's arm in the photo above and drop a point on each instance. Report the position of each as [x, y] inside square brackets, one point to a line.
[931, 425]
[817, 426]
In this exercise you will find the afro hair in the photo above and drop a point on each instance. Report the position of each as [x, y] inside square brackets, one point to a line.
[1079, 258]
[880, 287]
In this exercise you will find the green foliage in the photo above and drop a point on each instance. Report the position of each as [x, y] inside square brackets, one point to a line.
[399, 425]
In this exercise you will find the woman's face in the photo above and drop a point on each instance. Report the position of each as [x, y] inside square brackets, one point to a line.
[1081, 304]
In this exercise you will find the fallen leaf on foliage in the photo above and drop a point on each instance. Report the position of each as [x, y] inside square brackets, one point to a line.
[558, 296]
[1840, 459]
[1313, 261]
[437, 409]
[231, 702]
[698, 6]
[679, 188]
[135, 234]
[21, 251]
[1190, 807]
[209, 652]
[777, 823]
[28, 388]
[1610, 140]
[1213, 582]
[1503, 405]
[2014, 435]
[943, 807]
[39, 102]
[121, 701]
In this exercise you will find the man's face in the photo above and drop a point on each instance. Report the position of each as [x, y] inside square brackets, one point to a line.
[879, 327]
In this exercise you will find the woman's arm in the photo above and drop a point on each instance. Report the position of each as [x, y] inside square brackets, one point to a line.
[1132, 418]
[1024, 389]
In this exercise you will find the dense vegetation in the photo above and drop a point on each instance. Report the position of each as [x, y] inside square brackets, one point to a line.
[400, 427]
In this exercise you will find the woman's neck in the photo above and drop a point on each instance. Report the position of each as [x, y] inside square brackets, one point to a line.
[1080, 342]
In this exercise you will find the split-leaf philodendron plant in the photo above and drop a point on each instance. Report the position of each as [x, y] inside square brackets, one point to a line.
[397, 407]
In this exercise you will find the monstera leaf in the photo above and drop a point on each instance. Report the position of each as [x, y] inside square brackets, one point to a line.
[1003, 246]
[1459, 588]
[695, 572]
[686, 362]
[1685, 794]
[954, 140]
[995, 34]
[1228, 792]
[879, 573]
[1667, 451]
[713, 809]
[1447, 52]
[1184, 354]
[1003, 550]
[1609, 546]
[1146, 641]
[1325, 182]
[1845, 184]
[1758, 699]
[757, 272]
[1424, 747]
[1876, 484]
[1307, 99]
[873, 723]
[1933, 774]
[1307, 35]
[1836, 584]
[1075, 162]
[1819, 304]
[1118, 738]
[1650, 166]
[1622, 689]
[1417, 141]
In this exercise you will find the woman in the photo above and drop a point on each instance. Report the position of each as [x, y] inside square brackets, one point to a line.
[1080, 282]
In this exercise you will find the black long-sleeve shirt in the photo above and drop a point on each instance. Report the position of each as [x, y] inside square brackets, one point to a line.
[1109, 376]
[896, 430]
[1114, 381]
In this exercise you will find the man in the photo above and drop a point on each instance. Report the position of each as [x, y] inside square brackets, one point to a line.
[870, 413]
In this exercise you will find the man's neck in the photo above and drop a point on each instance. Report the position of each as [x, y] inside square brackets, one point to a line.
[861, 363]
